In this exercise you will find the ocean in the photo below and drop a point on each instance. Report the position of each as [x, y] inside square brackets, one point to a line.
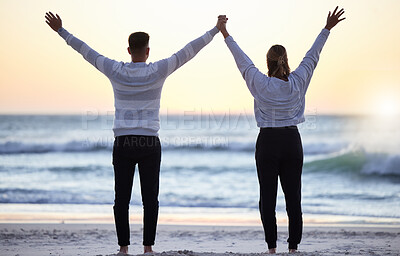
[63, 163]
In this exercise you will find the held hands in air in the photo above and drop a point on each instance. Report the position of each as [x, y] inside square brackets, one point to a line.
[221, 25]
[334, 19]
[222, 19]
[53, 21]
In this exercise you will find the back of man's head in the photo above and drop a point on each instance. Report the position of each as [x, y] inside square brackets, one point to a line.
[138, 42]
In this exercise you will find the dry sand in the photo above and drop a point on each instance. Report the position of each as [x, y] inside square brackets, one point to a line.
[177, 240]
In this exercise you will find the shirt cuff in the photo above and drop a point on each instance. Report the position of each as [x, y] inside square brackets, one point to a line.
[214, 31]
[62, 31]
[325, 31]
[229, 39]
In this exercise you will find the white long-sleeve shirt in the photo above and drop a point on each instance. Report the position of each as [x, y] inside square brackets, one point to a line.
[278, 103]
[137, 86]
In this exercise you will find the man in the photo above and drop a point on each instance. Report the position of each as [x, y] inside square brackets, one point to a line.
[137, 91]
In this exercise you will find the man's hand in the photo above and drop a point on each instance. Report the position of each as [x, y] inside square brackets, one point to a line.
[333, 19]
[221, 25]
[53, 21]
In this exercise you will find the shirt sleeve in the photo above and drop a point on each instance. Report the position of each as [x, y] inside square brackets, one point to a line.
[103, 64]
[309, 63]
[169, 65]
[250, 73]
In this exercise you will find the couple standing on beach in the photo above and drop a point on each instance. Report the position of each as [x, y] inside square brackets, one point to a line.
[279, 103]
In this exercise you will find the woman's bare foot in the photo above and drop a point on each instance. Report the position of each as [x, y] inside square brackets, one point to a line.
[148, 249]
[272, 251]
[123, 250]
[292, 250]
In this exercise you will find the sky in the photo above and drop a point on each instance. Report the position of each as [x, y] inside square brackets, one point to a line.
[358, 72]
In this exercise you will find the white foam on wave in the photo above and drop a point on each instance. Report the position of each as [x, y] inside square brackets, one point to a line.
[358, 159]
[382, 164]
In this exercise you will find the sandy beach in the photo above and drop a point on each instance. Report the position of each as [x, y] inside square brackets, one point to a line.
[195, 240]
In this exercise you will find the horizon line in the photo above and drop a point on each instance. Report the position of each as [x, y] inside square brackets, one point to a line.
[180, 113]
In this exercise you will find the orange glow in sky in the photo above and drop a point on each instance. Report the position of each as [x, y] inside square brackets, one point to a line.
[41, 74]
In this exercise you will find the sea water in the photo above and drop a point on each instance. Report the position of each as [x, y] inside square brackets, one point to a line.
[58, 163]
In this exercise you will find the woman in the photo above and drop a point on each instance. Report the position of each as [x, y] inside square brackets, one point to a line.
[279, 101]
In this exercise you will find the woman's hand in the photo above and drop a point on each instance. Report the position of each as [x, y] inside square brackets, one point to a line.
[54, 22]
[333, 19]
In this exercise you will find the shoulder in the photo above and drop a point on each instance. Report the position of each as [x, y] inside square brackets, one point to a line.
[118, 65]
[296, 81]
[296, 77]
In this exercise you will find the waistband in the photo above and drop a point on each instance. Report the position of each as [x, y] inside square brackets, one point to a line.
[293, 127]
[135, 136]
[136, 141]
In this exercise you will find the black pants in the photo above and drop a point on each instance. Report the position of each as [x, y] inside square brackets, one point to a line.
[279, 152]
[127, 152]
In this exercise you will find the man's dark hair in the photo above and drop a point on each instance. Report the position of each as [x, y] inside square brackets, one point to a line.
[138, 41]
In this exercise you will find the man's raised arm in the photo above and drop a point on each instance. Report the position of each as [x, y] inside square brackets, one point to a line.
[105, 65]
[189, 51]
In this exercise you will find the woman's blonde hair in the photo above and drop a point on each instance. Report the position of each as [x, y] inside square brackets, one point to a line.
[277, 62]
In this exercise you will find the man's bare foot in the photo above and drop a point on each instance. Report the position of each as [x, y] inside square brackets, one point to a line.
[272, 251]
[123, 250]
[148, 249]
[292, 250]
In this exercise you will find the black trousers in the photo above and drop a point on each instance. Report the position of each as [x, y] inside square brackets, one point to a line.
[127, 152]
[279, 153]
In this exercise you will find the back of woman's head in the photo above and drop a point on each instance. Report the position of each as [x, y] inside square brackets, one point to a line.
[277, 62]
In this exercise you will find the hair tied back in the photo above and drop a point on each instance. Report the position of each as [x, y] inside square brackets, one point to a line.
[281, 60]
